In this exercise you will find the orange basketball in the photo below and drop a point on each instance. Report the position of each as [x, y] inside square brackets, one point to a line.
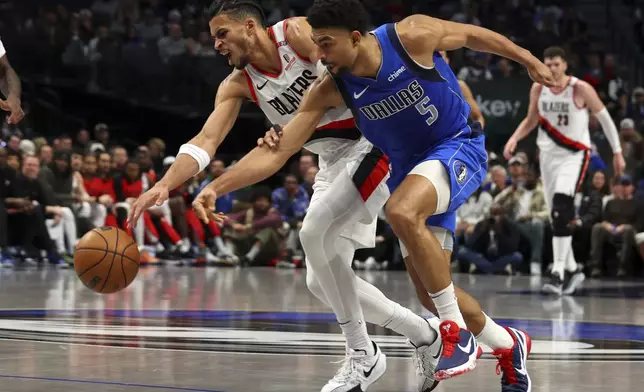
[106, 260]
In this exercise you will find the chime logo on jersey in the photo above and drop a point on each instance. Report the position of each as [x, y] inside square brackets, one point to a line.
[289, 100]
[394, 103]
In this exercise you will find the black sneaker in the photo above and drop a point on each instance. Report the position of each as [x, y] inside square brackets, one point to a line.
[555, 286]
[572, 281]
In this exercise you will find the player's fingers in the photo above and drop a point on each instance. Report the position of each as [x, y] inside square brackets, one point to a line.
[4, 105]
[133, 216]
[260, 142]
[161, 198]
[197, 206]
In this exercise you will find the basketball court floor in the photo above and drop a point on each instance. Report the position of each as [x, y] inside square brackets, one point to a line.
[229, 330]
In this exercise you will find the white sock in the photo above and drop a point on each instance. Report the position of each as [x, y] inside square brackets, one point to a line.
[571, 263]
[447, 305]
[253, 252]
[561, 246]
[355, 332]
[495, 336]
[410, 325]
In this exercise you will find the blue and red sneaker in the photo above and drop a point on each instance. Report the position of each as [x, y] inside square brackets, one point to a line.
[460, 351]
[512, 362]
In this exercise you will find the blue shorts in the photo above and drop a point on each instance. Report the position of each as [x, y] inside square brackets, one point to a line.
[465, 160]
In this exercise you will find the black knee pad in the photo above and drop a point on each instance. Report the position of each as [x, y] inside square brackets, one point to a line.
[563, 212]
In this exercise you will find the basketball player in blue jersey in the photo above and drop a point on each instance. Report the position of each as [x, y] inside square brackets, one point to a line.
[408, 103]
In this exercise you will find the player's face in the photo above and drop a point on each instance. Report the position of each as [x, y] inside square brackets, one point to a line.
[339, 48]
[557, 65]
[233, 38]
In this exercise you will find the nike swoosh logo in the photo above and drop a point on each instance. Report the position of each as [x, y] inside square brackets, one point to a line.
[262, 86]
[440, 349]
[368, 373]
[467, 349]
[358, 95]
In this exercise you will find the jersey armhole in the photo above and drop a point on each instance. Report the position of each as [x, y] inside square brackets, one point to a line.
[430, 74]
[250, 87]
[574, 94]
[303, 58]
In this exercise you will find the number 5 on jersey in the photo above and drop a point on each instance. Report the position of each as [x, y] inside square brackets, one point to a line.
[423, 108]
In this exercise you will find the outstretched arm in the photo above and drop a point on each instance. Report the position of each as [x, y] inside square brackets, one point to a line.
[422, 35]
[195, 155]
[10, 88]
[262, 162]
[528, 124]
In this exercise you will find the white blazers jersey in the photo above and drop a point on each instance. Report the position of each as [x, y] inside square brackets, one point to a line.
[563, 126]
[279, 97]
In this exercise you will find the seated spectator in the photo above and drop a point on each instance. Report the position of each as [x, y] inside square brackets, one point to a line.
[617, 228]
[46, 155]
[526, 205]
[59, 178]
[32, 203]
[291, 201]
[225, 203]
[14, 160]
[119, 158]
[377, 257]
[632, 146]
[7, 176]
[173, 44]
[98, 188]
[472, 212]
[494, 244]
[255, 231]
[499, 180]
[616, 191]
[599, 184]
[588, 205]
[309, 180]
[13, 144]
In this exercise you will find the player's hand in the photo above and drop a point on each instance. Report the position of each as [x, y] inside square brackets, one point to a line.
[509, 148]
[157, 195]
[272, 138]
[619, 164]
[204, 206]
[541, 74]
[13, 106]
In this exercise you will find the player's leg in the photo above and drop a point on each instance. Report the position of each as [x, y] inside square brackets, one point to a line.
[426, 192]
[509, 345]
[569, 176]
[327, 217]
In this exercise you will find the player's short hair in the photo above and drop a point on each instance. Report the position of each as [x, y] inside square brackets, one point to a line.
[554, 51]
[237, 9]
[346, 14]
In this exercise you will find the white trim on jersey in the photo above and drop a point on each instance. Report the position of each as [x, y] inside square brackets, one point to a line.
[2, 50]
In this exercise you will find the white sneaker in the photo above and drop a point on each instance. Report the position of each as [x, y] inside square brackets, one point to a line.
[425, 359]
[358, 371]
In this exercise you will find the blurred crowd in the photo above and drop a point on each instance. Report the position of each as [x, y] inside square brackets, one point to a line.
[60, 186]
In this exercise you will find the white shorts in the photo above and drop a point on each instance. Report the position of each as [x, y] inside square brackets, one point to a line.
[563, 173]
[359, 175]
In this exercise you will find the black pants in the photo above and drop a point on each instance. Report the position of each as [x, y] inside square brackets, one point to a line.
[30, 232]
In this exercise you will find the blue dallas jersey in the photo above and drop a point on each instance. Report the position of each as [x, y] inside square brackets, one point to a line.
[414, 114]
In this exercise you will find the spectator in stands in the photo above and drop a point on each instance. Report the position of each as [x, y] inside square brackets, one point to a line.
[83, 140]
[65, 144]
[472, 212]
[173, 44]
[156, 148]
[145, 161]
[29, 231]
[617, 228]
[150, 29]
[76, 161]
[309, 180]
[493, 245]
[632, 146]
[119, 158]
[14, 159]
[526, 205]
[503, 69]
[27, 147]
[255, 230]
[102, 134]
[7, 176]
[377, 258]
[499, 180]
[599, 184]
[635, 108]
[588, 207]
[616, 191]
[13, 143]
[99, 191]
[291, 201]
[517, 167]
[46, 155]
[306, 161]
[224, 204]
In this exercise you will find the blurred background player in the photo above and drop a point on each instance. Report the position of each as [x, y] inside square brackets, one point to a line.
[562, 114]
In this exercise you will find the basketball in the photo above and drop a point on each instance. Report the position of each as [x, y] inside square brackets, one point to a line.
[106, 260]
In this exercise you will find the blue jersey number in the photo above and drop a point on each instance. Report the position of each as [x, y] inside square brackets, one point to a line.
[423, 108]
